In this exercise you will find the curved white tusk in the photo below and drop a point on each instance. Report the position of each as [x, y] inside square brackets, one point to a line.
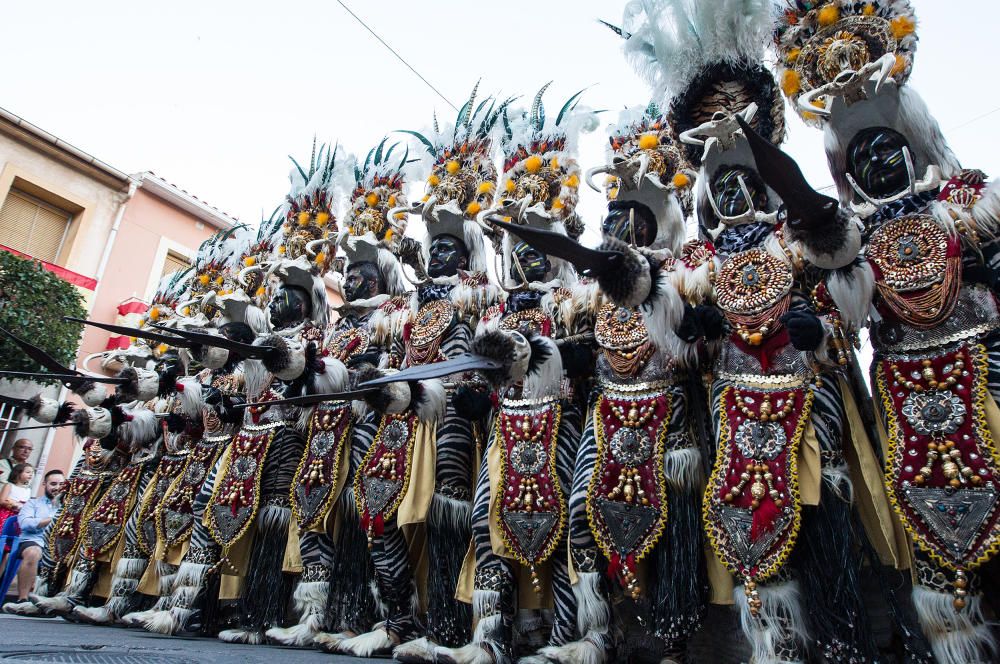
[859, 191]
[689, 137]
[588, 177]
[85, 365]
[746, 194]
[241, 277]
[643, 167]
[729, 221]
[413, 209]
[522, 206]
[806, 106]
[310, 246]
[911, 175]
[427, 207]
[885, 65]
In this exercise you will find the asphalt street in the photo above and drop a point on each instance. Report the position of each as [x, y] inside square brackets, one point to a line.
[29, 640]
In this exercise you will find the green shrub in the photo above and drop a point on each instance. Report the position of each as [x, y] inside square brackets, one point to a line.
[32, 304]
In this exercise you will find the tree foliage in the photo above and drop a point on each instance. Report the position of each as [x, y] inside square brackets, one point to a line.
[32, 304]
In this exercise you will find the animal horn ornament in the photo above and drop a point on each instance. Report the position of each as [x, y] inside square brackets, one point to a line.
[806, 208]
[591, 262]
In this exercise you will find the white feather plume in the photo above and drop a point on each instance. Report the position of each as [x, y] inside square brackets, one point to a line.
[673, 40]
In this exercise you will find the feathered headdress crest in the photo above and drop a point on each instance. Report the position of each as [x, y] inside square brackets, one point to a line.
[310, 213]
[462, 178]
[704, 58]
[374, 225]
[541, 177]
[818, 42]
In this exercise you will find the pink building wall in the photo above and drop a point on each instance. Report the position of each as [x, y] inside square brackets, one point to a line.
[149, 224]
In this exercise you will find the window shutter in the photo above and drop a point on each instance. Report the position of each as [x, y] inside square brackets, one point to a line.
[32, 227]
[174, 263]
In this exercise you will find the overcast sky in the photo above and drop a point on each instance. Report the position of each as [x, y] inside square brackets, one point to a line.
[212, 96]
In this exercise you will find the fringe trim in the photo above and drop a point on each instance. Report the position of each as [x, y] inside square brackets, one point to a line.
[838, 479]
[684, 468]
[956, 637]
[778, 625]
[593, 613]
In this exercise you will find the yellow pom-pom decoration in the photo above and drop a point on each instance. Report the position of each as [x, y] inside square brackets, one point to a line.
[558, 204]
[162, 348]
[250, 261]
[392, 201]
[554, 163]
[452, 166]
[203, 279]
[154, 313]
[509, 186]
[681, 180]
[433, 180]
[828, 15]
[261, 291]
[322, 218]
[869, 10]
[426, 198]
[648, 141]
[572, 181]
[533, 164]
[399, 216]
[485, 188]
[790, 83]
[473, 208]
[304, 218]
[371, 200]
[900, 65]
[793, 55]
[187, 311]
[281, 250]
[219, 280]
[902, 26]
[388, 235]
[613, 193]
[320, 257]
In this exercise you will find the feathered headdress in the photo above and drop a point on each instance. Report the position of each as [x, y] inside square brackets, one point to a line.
[305, 244]
[462, 179]
[706, 59]
[374, 225]
[844, 66]
[643, 164]
[541, 177]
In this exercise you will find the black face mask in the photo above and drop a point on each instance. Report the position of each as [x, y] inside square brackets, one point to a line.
[623, 217]
[289, 307]
[448, 255]
[875, 161]
[362, 282]
[729, 197]
[534, 264]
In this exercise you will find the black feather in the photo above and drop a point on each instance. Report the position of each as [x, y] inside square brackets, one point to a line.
[64, 413]
[496, 346]
[540, 353]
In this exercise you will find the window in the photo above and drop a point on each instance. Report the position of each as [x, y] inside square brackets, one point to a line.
[174, 263]
[10, 417]
[32, 226]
